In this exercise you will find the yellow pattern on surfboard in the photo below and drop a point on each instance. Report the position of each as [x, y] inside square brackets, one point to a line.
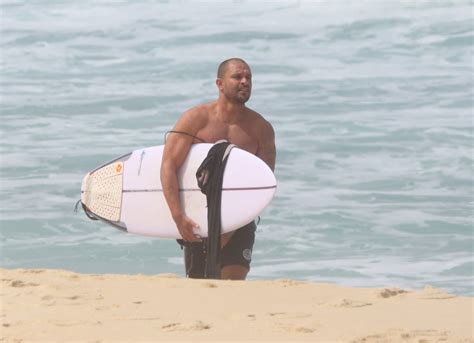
[102, 191]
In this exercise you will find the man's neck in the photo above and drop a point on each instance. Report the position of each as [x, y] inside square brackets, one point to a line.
[229, 112]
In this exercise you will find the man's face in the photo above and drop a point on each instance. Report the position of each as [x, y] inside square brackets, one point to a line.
[236, 84]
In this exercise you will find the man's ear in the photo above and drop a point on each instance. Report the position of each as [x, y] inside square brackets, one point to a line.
[219, 83]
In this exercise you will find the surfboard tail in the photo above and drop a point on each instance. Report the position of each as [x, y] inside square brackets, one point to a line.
[101, 191]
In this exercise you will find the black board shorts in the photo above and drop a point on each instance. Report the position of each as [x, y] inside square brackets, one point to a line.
[237, 251]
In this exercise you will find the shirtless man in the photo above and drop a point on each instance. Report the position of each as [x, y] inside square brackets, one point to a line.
[225, 118]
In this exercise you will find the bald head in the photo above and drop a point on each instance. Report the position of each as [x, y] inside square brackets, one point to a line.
[224, 65]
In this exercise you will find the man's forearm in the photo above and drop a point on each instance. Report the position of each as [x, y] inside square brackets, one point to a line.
[170, 186]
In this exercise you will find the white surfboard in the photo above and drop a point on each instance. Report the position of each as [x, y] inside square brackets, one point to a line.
[127, 191]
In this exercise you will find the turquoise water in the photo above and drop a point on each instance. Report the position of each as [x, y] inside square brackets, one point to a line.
[371, 103]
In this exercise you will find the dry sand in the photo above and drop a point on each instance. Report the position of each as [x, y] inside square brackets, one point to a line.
[57, 305]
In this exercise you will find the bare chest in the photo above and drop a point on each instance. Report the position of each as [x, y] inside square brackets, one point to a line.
[241, 136]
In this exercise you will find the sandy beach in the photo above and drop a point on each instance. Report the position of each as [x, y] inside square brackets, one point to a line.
[57, 305]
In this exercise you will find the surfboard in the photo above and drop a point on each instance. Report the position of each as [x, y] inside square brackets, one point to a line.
[127, 193]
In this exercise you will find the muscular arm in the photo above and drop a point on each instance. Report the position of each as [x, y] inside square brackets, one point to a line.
[266, 148]
[176, 149]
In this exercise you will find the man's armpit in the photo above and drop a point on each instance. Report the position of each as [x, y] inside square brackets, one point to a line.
[268, 155]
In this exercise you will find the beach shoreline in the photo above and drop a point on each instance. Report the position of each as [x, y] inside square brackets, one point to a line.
[59, 305]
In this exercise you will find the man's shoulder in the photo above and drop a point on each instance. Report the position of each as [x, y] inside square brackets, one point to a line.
[259, 120]
[197, 113]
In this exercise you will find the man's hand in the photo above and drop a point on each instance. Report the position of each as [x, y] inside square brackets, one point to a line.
[186, 228]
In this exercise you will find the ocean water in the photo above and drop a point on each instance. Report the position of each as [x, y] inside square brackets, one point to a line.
[371, 101]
